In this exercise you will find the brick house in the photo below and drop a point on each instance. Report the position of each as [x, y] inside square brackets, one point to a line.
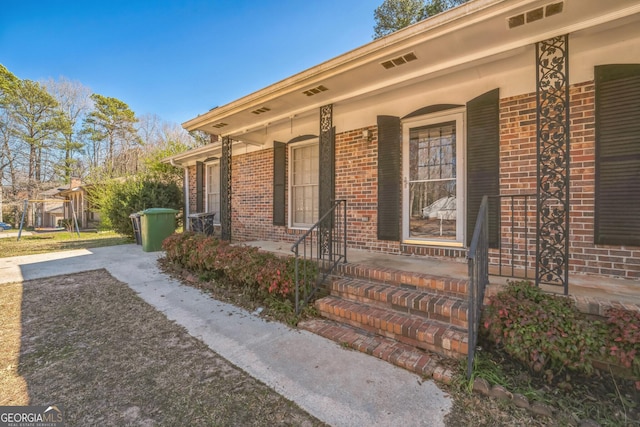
[534, 103]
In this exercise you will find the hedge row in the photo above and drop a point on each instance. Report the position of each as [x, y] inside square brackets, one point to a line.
[546, 331]
[240, 265]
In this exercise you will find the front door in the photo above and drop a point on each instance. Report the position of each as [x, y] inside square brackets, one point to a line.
[433, 180]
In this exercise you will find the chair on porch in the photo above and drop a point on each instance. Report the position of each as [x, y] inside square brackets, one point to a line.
[202, 222]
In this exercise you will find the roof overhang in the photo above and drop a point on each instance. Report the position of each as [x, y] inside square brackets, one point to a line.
[471, 34]
[207, 152]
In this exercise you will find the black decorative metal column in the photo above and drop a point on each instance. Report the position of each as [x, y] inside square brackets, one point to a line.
[225, 189]
[326, 184]
[552, 242]
[326, 150]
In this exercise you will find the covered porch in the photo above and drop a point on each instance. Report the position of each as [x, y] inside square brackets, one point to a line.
[592, 294]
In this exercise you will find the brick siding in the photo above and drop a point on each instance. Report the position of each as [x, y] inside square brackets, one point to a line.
[518, 176]
[192, 189]
[356, 181]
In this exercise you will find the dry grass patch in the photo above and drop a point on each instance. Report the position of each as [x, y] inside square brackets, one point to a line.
[89, 343]
[39, 242]
[13, 386]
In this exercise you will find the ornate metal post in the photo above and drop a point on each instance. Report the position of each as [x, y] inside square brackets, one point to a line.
[326, 178]
[553, 126]
[225, 189]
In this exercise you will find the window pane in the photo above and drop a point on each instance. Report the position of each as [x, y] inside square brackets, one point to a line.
[432, 181]
[432, 152]
[213, 190]
[433, 208]
[304, 179]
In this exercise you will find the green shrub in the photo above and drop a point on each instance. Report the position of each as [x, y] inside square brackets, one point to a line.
[623, 338]
[265, 274]
[545, 331]
[68, 224]
[118, 199]
[181, 247]
[277, 276]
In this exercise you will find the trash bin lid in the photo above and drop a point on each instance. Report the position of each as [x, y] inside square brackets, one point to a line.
[157, 211]
[135, 215]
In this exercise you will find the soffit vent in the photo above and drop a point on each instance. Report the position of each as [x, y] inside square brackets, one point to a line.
[316, 90]
[535, 14]
[219, 125]
[261, 110]
[401, 60]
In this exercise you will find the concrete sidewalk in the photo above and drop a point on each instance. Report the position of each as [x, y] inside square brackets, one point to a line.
[339, 386]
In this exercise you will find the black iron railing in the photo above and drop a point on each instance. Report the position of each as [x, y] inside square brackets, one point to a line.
[318, 252]
[515, 254]
[478, 261]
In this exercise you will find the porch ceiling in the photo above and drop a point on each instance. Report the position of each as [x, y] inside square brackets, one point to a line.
[474, 33]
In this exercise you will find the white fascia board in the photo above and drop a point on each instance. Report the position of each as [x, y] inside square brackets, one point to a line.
[448, 23]
[188, 158]
[182, 159]
[349, 60]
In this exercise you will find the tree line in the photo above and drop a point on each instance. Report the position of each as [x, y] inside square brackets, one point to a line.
[53, 130]
[393, 15]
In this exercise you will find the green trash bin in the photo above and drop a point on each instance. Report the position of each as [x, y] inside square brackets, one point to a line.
[156, 225]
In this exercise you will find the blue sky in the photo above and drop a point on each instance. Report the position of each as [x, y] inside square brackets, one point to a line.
[177, 59]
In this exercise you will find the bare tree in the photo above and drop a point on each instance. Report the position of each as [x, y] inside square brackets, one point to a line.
[149, 128]
[161, 140]
[75, 101]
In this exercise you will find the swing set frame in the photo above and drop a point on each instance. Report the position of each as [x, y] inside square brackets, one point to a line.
[26, 205]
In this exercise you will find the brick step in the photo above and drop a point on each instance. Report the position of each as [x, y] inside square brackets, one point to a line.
[405, 356]
[434, 306]
[427, 334]
[419, 281]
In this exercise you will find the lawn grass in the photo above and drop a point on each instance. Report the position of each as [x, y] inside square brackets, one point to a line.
[42, 242]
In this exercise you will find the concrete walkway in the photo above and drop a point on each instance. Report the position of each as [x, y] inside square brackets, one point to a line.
[340, 387]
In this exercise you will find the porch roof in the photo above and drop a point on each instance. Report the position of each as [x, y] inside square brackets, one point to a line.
[474, 33]
[63, 192]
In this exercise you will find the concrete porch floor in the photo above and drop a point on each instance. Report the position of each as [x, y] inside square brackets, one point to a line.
[586, 289]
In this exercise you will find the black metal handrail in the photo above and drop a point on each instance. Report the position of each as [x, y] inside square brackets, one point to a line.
[325, 243]
[516, 246]
[478, 262]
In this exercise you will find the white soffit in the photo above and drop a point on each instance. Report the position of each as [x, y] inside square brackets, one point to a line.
[476, 32]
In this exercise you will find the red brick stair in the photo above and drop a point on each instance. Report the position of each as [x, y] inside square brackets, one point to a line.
[423, 363]
[413, 320]
[403, 299]
[407, 279]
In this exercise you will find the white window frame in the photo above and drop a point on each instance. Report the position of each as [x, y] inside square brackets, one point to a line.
[291, 207]
[208, 167]
[459, 116]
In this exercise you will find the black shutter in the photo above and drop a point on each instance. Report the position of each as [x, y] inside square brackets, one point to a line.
[483, 160]
[617, 190]
[389, 178]
[199, 187]
[279, 179]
